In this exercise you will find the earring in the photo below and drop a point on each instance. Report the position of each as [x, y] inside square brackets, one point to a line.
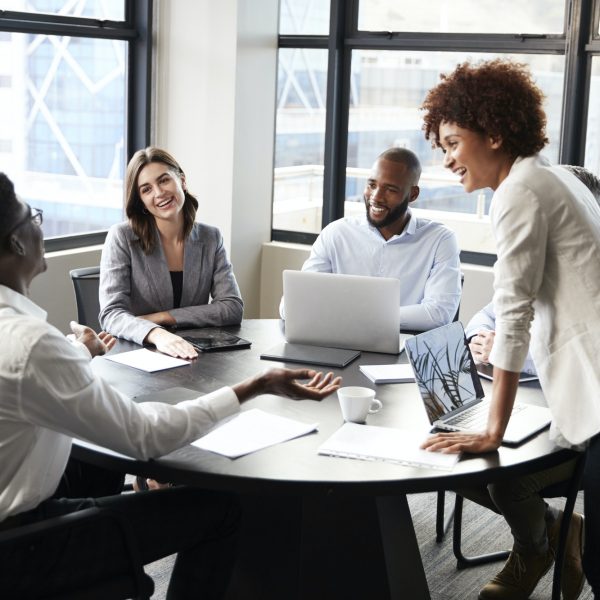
[145, 211]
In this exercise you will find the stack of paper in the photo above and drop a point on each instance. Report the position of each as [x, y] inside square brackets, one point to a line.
[388, 373]
[368, 442]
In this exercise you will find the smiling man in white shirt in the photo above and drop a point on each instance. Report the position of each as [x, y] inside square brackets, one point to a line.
[49, 394]
[390, 241]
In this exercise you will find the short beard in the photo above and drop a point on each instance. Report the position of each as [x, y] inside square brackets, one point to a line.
[393, 216]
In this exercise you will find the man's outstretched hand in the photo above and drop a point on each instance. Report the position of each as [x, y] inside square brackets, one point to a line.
[96, 343]
[287, 382]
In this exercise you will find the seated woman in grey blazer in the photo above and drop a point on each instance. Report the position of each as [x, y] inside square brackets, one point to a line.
[161, 268]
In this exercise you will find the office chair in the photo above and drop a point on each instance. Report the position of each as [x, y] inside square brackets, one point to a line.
[134, 583]
[86, 282]
[568, 489]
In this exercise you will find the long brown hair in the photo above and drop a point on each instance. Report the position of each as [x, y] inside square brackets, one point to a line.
[141, 221]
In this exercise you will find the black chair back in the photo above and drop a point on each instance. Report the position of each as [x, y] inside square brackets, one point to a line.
[37, 541]
[86, 282]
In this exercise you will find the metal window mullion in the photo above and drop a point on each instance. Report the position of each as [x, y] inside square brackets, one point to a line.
[139, 77]
[303, 41]
[576, 82]
[60, 25]
[337, 111]
[446, 42]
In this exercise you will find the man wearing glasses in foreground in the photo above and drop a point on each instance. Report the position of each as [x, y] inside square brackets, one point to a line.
[49, 394]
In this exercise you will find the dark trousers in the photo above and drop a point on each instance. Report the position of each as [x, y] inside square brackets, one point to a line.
[591, 500]
[200, 526]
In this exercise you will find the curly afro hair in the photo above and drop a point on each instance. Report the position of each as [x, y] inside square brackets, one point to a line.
[496, 97]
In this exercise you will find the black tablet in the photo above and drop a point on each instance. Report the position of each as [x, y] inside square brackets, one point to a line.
[217, 340]
[487, 372]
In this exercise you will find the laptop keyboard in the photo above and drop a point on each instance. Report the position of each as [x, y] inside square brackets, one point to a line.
[476, 417]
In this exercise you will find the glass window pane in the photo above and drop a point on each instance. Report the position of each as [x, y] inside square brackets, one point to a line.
[304, 17]
[300, 139]
[387, 89]
[463, 16]
[109, 10]
[592, 139]
[62, 136]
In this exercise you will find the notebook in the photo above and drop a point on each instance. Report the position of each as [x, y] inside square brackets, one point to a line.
[310, 355]
[451, 390]
[342, 311]
[369, 442]
[388, 373]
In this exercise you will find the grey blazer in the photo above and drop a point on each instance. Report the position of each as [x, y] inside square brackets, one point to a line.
[132, 283]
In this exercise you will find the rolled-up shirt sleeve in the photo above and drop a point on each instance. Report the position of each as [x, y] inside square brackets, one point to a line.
[61, 392]
[521, 232]
[441, 296]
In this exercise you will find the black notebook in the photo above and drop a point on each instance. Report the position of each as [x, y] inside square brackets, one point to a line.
[217, 340]
[310, 355]
[487, 372]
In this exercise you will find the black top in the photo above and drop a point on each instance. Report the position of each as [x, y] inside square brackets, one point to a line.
[177, 283]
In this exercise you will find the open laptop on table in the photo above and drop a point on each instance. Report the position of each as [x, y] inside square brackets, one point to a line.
[451, 390]
[342, 311]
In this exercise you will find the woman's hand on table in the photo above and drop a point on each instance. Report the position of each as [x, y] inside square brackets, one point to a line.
[171, 344]
[286, 382]
[456, 441]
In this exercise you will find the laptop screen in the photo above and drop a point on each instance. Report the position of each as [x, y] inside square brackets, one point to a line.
[444, 369]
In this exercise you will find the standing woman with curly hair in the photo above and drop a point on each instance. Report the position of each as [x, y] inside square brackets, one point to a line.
[162, 269]
[489, 121]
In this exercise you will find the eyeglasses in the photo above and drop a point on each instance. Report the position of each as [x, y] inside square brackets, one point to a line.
[34, 214]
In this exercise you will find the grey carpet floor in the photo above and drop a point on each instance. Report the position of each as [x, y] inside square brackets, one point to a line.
[483, 531]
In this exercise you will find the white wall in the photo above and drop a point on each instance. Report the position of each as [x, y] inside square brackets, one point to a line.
[53, 290]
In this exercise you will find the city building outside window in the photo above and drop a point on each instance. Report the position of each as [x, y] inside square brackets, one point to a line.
[67, 77]
[389, 54]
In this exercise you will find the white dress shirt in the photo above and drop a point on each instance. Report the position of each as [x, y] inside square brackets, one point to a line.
[485, 320]
[49, 394]
[547, 228]
[424, 257]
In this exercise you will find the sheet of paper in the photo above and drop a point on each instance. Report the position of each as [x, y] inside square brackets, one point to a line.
[369, 442]
[146, 360]
[252, 430]
[388, 373]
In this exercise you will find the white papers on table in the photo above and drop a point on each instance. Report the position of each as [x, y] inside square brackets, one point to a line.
[388, 373]
[252, 430]
[146, 360]
[368, 442]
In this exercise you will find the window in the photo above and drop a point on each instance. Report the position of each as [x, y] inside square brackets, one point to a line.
[75, 70]
[379, 58]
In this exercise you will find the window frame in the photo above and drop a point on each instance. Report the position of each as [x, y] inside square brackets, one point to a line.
[578, 43]
[136, 30]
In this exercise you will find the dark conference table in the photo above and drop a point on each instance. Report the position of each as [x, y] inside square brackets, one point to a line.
[314, 526]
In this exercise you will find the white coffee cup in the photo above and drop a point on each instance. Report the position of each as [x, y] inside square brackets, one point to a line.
[357, 402]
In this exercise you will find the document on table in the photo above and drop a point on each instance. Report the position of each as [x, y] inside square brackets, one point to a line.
[146, 360]
[369, 442]
[252, 430]
[388, 373]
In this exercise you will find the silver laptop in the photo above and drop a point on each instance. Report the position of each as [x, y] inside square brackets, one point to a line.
[451, 390]
[342, 311]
